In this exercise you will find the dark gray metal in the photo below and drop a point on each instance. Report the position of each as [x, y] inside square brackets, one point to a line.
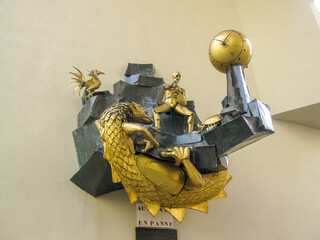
[238, 95]
[223, 163]
[146, 96]
[168, 140]
[206, 160]
[262, 112]
[235, 135]
[94, 107]
[85, 98]
[238, 100]
[156, 234]
[95, 176]
[226, 119]
[144, 81]
[87, 141]
[142, 69]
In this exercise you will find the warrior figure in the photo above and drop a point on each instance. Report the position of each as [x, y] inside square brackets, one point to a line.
[175, 98]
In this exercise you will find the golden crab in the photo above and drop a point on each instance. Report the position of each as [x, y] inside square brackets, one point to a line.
[210, 122]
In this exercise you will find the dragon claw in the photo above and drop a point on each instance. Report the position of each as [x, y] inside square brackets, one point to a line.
[149, 145]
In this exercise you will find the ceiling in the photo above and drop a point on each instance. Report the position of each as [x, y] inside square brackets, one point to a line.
[308, 116]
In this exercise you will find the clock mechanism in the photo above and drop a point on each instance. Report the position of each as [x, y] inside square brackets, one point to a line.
[229, 47]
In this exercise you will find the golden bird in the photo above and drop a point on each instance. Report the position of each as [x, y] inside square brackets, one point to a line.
[90, 85]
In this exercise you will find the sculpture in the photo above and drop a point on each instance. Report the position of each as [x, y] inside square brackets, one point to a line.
[176, 168]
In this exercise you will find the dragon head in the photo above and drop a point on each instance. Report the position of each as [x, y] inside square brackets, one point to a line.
[139, 114]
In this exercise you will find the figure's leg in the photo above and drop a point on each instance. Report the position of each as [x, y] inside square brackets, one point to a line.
[186, 112]
[161, 109]
[163, 174]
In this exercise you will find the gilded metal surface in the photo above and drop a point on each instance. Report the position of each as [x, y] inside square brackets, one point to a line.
[175, 98]
[229, 47]
[210, 122]
[154, 182]
[90, 85]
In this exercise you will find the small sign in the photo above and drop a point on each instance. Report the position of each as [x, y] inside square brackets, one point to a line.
[156, 234]
[145, 219]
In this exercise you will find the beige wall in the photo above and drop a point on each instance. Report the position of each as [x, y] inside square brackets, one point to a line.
[274, 193]
[285, 37]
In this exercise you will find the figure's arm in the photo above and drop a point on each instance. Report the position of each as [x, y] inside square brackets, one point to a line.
[182, 155]
[183, 92]
[132, 128]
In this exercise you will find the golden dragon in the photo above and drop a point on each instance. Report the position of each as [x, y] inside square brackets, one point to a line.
[173, 186]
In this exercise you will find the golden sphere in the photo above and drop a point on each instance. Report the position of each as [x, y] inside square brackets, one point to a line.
[229, 47]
